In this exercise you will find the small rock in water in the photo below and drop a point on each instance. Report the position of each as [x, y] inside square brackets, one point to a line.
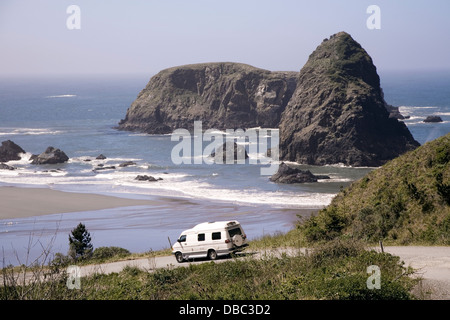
[50, 156]
[147, 178]
[102, 167]
[239, 153]
[433, 119]
[127, 163]
[287, 174]
[6, 167]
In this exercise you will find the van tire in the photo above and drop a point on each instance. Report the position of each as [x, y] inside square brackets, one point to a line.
[179, 257]
[212, 255]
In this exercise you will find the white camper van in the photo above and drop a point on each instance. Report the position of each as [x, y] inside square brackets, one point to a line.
[210, 239]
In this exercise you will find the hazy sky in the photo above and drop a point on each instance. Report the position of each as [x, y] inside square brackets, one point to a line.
[140, 36]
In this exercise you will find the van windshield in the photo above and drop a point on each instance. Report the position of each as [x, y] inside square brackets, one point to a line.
[235, 231]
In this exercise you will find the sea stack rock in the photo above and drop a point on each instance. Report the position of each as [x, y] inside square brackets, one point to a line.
[333, 111]
[238, 153]
[337, 113]
[221, 95]
[10, 151]
[50, 156]
[288, 174]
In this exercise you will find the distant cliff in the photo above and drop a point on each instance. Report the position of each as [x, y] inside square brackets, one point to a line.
[222, 95]
[333, 111]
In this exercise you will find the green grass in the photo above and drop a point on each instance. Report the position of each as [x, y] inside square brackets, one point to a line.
[336, 270]
[406, 201]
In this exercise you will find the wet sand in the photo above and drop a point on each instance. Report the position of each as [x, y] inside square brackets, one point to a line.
[28, 202]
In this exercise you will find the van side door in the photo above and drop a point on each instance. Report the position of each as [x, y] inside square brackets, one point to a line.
[190, 244]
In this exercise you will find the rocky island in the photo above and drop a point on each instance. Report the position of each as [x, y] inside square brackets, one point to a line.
[222, 95]
[332, 111]
[338, 114]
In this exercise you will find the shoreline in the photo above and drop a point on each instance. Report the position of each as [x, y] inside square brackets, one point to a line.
[23, 202]
[19, 202]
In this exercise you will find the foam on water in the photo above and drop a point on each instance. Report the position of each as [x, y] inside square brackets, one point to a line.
[62, 96]
[5, 131]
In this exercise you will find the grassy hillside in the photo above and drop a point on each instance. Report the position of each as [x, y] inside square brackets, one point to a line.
[405, 201]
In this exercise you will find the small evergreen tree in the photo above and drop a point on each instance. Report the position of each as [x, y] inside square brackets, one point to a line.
[80, 246]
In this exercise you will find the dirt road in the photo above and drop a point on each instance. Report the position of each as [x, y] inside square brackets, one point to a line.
[432, 264]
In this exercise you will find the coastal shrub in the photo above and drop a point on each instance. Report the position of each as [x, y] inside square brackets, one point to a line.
[443, 189]
[436, 231]
[131, 271]
[365, 224]
[335, 249]
[326, 225]
[60, 261]
[442, 155]
[364, 181]
[103, 253]
[444, 227]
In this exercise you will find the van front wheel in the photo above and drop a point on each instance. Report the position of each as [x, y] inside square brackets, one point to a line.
[179, 257]
[212, 255]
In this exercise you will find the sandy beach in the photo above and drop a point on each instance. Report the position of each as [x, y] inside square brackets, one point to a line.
[28, 202]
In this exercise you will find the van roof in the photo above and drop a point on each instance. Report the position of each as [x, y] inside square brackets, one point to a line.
[214, 225]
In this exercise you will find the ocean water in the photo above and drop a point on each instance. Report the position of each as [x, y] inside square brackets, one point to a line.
[78, 115]
[420, 94]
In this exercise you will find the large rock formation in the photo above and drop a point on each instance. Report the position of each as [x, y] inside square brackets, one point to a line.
[10, 151]
[333, 111]
[222, 95]
[337, 114]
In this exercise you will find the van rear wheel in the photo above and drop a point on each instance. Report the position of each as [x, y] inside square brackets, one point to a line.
[212, 254]
[179, 257]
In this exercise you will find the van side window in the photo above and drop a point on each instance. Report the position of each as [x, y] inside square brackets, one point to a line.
[182, 238]
[201, 237]
[216, 235]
